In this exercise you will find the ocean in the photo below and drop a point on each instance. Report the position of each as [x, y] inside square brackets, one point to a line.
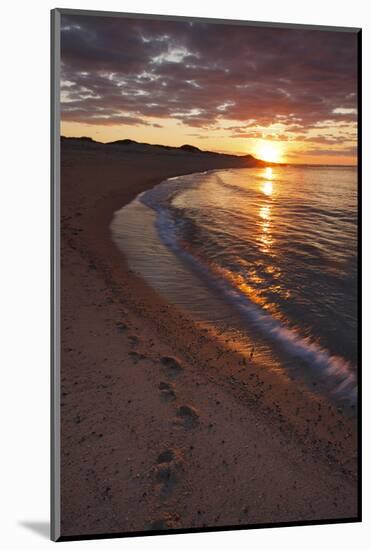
[264, 257]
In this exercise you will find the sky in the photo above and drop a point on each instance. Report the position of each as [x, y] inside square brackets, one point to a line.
[284, 95]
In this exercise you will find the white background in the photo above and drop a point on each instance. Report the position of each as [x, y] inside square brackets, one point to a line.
[24, 233]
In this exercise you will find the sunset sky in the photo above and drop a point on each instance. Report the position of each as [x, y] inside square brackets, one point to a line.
[279, 94]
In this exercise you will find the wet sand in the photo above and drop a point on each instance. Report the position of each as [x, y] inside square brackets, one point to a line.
[162, 426]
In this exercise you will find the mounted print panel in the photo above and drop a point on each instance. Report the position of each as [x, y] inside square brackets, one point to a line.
[205, 274]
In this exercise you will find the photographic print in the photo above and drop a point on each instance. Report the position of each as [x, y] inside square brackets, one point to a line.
[205, 274]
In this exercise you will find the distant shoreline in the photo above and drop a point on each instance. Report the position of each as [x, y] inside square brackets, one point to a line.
[123, 142]
[129, 144]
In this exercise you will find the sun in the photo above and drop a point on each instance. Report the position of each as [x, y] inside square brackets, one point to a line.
[270, 152]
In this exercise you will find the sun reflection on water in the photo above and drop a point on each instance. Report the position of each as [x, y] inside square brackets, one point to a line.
[265, 212]
[269, 176]
[265, 236]
[267, 188]
[268, 173]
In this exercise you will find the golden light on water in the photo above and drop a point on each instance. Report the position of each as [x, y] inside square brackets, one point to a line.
[268, 173]
[265, 236]
[264, 213]
[267, 188]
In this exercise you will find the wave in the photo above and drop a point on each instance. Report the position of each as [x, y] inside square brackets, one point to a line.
[289, 340]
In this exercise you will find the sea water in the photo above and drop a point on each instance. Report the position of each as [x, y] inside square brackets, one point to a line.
[265, 256]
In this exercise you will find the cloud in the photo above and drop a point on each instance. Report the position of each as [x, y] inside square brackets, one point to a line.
[344, 152]
[344, 111]
[234, 78]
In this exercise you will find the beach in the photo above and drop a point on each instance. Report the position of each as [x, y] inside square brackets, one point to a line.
[162, 426]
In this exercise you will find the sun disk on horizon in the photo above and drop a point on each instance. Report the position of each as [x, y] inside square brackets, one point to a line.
[270, 152]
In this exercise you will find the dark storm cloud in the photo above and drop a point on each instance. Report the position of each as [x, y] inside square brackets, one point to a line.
[120, 70]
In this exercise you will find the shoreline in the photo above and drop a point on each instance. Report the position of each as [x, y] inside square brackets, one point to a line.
[140, 380]
[323, 383]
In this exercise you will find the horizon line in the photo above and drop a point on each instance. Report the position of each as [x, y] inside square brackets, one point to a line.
[238, 155]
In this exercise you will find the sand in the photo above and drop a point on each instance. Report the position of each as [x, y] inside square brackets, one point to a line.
[162, 426]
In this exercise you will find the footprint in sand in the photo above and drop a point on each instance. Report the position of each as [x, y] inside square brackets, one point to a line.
[188, 415]
[158, 525]
[169, 455]
[121, 327]
[172, 366]
[136, 356]
[134, 340]
[168, 470]
[166, 521]
[167, 391]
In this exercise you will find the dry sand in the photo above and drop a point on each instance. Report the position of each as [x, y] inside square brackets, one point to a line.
[163, 428]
